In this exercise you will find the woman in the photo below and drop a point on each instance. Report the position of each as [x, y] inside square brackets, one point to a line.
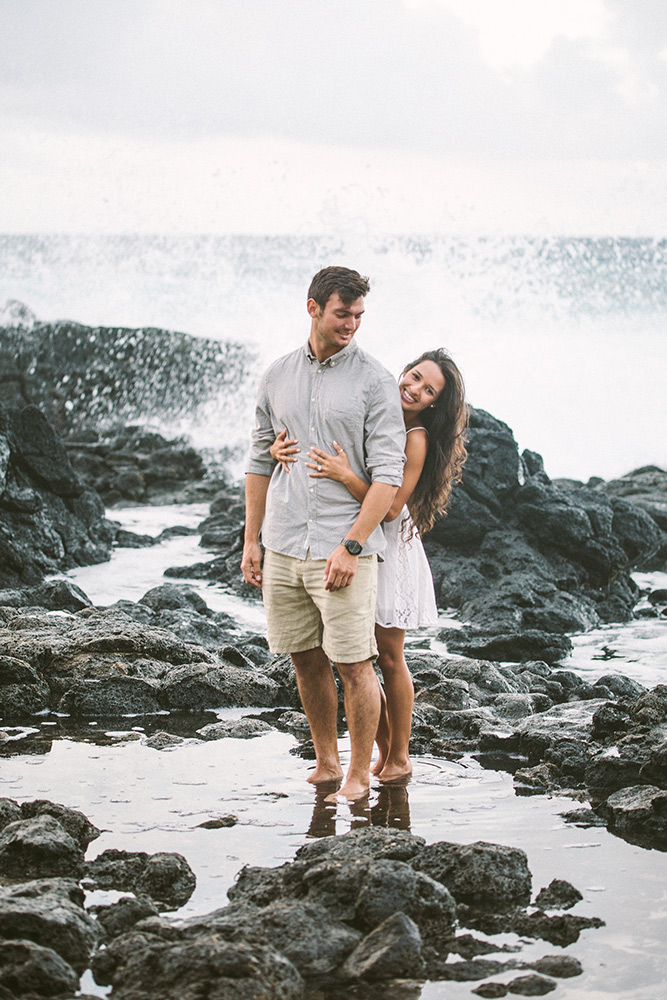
[435, 414]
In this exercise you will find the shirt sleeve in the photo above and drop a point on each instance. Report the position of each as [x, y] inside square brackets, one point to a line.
[263, 435]
[385, 434]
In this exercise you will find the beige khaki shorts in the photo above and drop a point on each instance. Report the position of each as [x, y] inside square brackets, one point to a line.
[301, 614]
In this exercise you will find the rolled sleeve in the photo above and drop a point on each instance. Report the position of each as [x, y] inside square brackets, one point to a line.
[260, 461]
[385, 437]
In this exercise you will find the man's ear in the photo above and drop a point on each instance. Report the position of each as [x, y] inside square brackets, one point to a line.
[313, 308]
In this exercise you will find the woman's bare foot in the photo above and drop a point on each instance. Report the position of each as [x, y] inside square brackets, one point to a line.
[395, 773]
[323, 773]
[378, 765]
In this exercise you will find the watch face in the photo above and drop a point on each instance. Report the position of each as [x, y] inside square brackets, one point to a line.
[354, 548]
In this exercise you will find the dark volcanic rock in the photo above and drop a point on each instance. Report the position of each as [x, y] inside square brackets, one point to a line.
[166, 878]
[50, 913]
[83, 376]
[49, 521]
[29, 968]
[478, 874]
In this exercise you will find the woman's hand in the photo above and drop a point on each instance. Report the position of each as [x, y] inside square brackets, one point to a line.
[284, 450]
[329, 466]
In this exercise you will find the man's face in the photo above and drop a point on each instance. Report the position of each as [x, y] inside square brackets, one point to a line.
[334, 325]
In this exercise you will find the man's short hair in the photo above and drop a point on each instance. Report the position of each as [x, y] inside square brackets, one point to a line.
[349, 284]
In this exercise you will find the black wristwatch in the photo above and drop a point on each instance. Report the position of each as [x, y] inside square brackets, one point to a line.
[353, 547]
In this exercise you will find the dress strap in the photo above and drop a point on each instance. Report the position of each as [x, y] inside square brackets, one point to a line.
[418, 428]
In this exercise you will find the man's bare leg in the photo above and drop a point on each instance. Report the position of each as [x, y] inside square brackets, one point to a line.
[319, 698]
[362, 710]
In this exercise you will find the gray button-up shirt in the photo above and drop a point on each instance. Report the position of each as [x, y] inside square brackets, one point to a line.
[349, 398]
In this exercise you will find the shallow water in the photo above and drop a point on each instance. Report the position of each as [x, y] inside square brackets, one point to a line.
[150, 800]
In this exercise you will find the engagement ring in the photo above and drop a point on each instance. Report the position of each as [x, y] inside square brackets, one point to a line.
[319, 468]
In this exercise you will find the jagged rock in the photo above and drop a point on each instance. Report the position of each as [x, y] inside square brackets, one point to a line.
[166, 878]
[559, 966]
[49, 521]
[391, 951]
[238, 729]
[156, 963]
[117, 918]
[29, 968]
[39, 846]
[478, 874]
[639, 814]
[560, 895]
[50, 913]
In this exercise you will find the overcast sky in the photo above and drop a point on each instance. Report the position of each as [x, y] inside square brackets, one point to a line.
[525, 116]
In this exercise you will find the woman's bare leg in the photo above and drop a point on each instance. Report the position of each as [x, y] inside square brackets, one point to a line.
[400, 700]
[382, 735]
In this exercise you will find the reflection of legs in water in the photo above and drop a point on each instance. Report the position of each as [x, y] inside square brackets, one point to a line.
[323, 822]
[325, 811]
[362, 710]
[392, 808]
[319, 698]
[396, 765]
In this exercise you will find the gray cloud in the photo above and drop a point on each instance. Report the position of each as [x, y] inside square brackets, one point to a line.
[354, 73]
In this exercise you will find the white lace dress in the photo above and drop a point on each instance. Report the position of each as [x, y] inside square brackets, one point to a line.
[405, 598]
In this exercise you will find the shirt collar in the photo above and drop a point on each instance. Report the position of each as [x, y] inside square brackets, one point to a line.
[336, 358]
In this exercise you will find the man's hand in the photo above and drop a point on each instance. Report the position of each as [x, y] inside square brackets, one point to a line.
[251, 564]
[340, 569]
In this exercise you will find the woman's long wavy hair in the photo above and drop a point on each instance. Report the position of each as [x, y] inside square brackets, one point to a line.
[446, 423]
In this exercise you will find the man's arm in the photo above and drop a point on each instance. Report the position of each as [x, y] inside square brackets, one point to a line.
[256, 488]
[341, 566]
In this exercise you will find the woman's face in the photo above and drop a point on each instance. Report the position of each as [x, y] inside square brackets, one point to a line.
[420, 386]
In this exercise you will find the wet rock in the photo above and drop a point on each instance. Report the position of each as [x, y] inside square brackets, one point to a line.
[121, 695]
[169, 596]
[39, 846]
[238, 729]
[392, 950]
[491, 990]
[518, 647]
[49, 521]
[559, 966]
[538, 732]
[117, 918]
[478, 874]
[74, 822]
[29, 968]
[54, 595]
[531, 986]
[196, 685]
[163, 964]
[560, 929]
[639, 814]
[23, 690]
[50, 913]
[558, 895]
[164, 741]
[607, 772]
[165, 878]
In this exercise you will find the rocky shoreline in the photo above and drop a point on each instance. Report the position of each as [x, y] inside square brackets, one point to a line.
[525, 561]
[374, 905]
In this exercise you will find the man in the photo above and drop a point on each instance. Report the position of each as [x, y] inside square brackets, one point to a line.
[321, 545]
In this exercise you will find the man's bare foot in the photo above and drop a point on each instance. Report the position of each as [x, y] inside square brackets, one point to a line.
[323, 773]
[395, 773]
[351, 791]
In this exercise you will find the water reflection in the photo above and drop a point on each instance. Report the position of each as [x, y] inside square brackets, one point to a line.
[390, 809]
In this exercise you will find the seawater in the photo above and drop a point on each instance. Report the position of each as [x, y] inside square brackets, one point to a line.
[562, 338]
[146, 800]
